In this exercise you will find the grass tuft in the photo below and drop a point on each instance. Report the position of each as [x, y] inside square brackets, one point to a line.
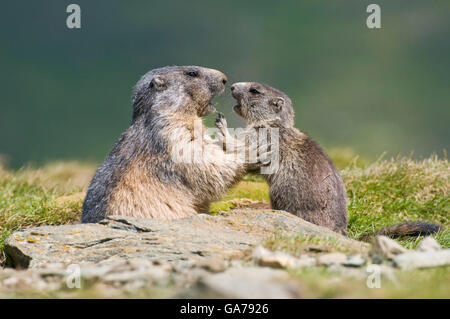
[51, 195]
[398, 190]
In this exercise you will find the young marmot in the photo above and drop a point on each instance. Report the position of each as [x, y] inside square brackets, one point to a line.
[306, 183]
[146, 175]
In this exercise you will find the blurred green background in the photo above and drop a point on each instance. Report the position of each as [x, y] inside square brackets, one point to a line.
[67, 93]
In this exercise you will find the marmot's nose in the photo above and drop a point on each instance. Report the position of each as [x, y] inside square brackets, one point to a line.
[224, 78]
[238, 86]
[219, 76]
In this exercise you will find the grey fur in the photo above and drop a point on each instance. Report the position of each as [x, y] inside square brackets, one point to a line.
[306, 184]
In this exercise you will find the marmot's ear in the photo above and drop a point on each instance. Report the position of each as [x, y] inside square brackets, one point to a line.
[278, 104]
[158, 82]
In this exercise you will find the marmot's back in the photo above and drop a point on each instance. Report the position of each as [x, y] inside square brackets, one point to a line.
[307, 184]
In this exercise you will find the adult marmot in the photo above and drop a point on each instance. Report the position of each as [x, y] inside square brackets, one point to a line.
[306, 183]
[162, 166]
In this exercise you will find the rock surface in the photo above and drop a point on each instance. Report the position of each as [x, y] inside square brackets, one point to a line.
[355, 261]
[200, 256]
[127, 254]
[385, 248]
[249, 282]
[184, 241]
[279, 259]
[422, 259]
[331, 259]
[429, 244]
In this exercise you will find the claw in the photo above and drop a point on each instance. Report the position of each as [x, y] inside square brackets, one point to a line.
[221, 122]
[266, 157]
[220, 117]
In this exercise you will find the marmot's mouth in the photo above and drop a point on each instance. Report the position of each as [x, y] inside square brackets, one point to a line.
[238, 109]
[208, 109]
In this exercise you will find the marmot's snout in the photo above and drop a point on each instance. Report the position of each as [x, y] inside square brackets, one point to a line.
[238, 91]
[217, 81]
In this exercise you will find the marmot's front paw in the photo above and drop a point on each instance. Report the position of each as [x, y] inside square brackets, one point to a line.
[260, 155]
[220, 139]
[221, 122]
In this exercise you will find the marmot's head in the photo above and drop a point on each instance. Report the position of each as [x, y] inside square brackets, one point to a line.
[166, 90]
[260, 103]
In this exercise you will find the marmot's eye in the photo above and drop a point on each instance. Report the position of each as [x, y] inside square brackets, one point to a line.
[255, 91]
[192, 73]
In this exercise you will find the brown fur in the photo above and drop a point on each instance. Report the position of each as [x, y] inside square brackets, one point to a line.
[405, 229]
[141, 177]
[138, 195]
[306, 183]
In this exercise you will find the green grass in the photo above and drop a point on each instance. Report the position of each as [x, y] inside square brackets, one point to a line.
[51, 195]
[297, 245]
[255, 191]
[346, 157]
[397, 190]
[320, 282]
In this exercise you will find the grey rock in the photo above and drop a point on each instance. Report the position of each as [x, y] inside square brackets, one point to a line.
[30, 280]
[128, 254]
[278, 259]
[125, 277]
[305, 261]
[187, 241]
[94, 272]
[346, 272]
[422, 259]
[355, 261]
[265, 257]
[122, 274]
[53, 270]
[429, 244]
[386, 248]
[331, 258]
[214, 264]
[248, 283]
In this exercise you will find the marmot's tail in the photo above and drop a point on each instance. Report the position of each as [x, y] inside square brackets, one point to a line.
[405, 229]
